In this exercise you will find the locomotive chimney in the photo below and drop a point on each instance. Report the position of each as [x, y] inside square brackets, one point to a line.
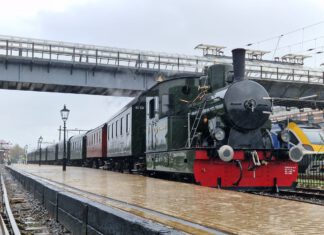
[238, 64]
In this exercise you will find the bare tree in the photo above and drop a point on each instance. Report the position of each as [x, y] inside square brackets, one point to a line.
[16, 153]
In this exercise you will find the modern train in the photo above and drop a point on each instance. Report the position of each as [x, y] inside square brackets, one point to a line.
[309, 136]
[214, 129]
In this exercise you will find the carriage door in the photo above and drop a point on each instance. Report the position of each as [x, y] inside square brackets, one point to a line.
[152, 116]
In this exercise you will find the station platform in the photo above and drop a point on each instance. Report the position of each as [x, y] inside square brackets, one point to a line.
[185, 207]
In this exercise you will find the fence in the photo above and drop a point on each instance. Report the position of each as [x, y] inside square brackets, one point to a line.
[311, 171]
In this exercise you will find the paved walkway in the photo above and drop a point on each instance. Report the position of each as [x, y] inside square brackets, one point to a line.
[229, 211]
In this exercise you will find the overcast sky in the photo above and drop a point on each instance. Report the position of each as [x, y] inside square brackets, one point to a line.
[174, 26]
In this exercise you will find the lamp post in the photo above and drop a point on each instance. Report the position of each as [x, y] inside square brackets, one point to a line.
[64, 114]
[25, 148]
[40, 140]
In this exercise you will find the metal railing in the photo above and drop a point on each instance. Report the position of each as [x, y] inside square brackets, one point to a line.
[285, 73]
[97, 56]
[74, 53]
[311, 171]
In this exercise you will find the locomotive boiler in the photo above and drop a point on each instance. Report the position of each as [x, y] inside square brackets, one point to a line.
[235, 108]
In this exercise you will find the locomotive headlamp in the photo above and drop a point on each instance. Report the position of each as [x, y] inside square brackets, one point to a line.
[284, 135]
[226, 153]
[219, 134]
[296, 154]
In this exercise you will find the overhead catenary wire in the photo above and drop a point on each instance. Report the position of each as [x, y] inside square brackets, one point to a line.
[285, 34]
[305, 46]
[312, 52]
[275, 50]
[299, 43]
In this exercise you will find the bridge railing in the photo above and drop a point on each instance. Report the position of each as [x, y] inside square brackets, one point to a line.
[96, 56]
[293, 74]
[100, 56]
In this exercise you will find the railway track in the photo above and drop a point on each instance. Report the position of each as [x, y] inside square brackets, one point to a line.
[8, 222]
[20, 213]
[308, 195]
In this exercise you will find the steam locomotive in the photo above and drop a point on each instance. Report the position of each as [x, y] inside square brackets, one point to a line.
[214, 128]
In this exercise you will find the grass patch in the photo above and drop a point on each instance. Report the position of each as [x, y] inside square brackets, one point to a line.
[311, 183]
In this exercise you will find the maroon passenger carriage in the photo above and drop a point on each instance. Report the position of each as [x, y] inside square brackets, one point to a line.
[96, 146]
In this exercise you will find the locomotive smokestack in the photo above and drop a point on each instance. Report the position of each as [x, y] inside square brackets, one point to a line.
[238, 63]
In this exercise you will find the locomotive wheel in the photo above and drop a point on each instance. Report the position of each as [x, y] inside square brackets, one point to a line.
[95, 164]
[121, 166]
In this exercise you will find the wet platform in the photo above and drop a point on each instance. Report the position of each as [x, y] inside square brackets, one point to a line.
[185, 207]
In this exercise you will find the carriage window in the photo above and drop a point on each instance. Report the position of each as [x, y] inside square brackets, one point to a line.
[127, 123]
[108, 132]
[116, 127]
[152, 108]
[165, 104]
[112, 131]
[121, 126]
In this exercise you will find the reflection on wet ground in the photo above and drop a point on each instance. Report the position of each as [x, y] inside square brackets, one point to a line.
[224, 210]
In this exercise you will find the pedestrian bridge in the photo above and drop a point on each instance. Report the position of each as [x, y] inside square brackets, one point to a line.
[52, 66]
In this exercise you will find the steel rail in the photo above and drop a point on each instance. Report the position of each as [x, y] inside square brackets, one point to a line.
[3, 227]
[12, 220]
[311, 190]
[302, 194]
[308, 196]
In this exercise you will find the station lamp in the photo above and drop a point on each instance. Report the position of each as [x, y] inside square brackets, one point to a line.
[64, 114]
[26, 150]
[40, 140]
